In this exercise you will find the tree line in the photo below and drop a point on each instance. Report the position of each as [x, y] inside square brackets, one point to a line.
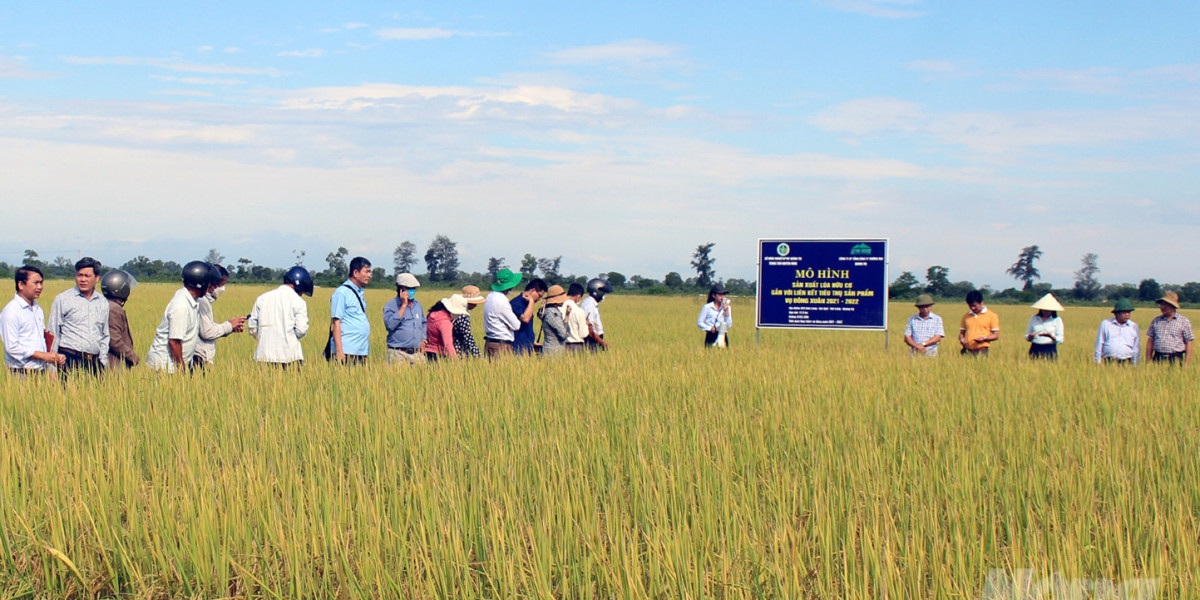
[442, 267]
[1085, 288]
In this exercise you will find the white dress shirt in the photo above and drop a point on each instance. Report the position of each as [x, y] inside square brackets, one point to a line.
[591, 308]
[499, 320]
[278, 321]
[210, 330]
[181, 321]
[23, 327]
[577, 325]
[80, 323]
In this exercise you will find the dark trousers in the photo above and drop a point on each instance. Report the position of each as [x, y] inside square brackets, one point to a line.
[78, 361]
[710, 339]
[1173, 358]
[1043, 351]
[593, 345]
[980, 353]
[496, 347]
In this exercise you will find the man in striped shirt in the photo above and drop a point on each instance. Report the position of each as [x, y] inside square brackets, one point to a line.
[78, 321]
[924, 330]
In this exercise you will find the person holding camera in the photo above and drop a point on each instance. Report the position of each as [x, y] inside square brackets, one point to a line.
[716, 317]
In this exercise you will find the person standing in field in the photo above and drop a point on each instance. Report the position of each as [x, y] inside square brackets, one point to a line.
[404, 319]
[596, 289]
[924, 330]
[23, 327]
[349, 329]
[464, 339]
[279, 320]
[1169, 337]
[716, 317]
[979, 328]
[1045, 330]
[576, 320]
[525, 306]
[78, 322]
[499, 322]
[178, 333]
[439, 333]
[210, 330]
[1117, 341]
[554, 326]
[116, 286]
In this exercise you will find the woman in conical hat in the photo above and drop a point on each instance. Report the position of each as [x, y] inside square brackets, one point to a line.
[1045, 330]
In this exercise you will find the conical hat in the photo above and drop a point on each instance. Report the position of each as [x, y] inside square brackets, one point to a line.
[1048, 303]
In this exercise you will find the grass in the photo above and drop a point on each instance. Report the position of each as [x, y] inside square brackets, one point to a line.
[811, 465]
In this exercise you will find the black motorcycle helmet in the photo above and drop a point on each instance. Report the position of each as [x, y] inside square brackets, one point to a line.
[301, 279]
[598, 288]
[196, 275]
[117, 284]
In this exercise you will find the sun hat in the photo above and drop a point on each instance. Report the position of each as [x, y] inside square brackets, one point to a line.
[1123, 305]
[407, 280]
[924, 300]
[471, 294]
[455, 305]
[1170, 298]
[1048, 303]
[506, 280]
[556, 295]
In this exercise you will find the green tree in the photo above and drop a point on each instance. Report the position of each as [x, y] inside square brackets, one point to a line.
[442, 259]
[529, 265]
[937, 281]
[673, 280]
[704, 264]
[904, 285]
[404, 257]
[549, 268]
[214, 257]
[1087, 287]
[616, 279]
[1149, 290]
[495, 265]
[1024, 269]
[337, 263]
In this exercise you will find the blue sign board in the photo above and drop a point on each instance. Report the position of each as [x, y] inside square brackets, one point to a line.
[822, 284]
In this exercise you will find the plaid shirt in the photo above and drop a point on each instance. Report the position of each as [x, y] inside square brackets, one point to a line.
[921, 330]
[1170, 335]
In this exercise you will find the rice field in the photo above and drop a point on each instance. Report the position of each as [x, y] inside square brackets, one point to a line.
[811, 465]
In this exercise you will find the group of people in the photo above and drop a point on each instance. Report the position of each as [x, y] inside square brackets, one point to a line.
[88, 330]
[570, 321]
[1168, 339]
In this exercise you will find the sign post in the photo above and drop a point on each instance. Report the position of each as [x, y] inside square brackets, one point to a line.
[822, 284]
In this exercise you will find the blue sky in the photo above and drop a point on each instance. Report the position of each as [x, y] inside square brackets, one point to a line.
[618, 135]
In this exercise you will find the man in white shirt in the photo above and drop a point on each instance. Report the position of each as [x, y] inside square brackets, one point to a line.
[279, 320]
[596, 289]
[577, 324]
[23, 327]
[500, 323]
[78, 321]
[175, 339]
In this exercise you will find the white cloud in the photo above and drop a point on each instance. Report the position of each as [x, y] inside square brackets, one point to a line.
[204, 49]
[197, 93]
[232, 50]
[887, 9]
[14, 68]
[198, 80]
[638, 53]
[419, 33]
[172, 64]
[310, 53]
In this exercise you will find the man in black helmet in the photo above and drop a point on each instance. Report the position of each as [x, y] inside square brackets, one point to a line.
[175, 339]
[116, 285]
[210, 330]
[279, 320]
[596, 289]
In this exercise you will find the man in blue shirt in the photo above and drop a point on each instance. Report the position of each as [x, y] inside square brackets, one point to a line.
[404, 319]
[523, 306]
[349, 330]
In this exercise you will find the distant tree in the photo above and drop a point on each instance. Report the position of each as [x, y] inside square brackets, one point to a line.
[642, 283]
[495, 265]
[616, 279]
[903, 286]
[442, 259]
[937, 281]
[704, 264]
[529, 265]
[243, 267]
[1149, 290]
[214, 257]
[1087, 287]
[549, 268]
[404, 257]
[1190, 292]
[31, 259]
[63, 267]
[1024, 269]
[1115, 291]
[337, 262]
[673, 280]
[298, 255]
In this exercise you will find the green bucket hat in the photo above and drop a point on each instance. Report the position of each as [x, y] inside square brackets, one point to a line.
[1123, 305]
[506, 280]
[924, 300]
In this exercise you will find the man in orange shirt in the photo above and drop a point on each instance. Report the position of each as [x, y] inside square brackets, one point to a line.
[980, 327]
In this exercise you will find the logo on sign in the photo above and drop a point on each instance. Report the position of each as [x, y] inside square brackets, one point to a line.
[860, 250]
[783, 249]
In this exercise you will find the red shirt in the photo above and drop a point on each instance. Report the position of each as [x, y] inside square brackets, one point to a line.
[439, 338]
